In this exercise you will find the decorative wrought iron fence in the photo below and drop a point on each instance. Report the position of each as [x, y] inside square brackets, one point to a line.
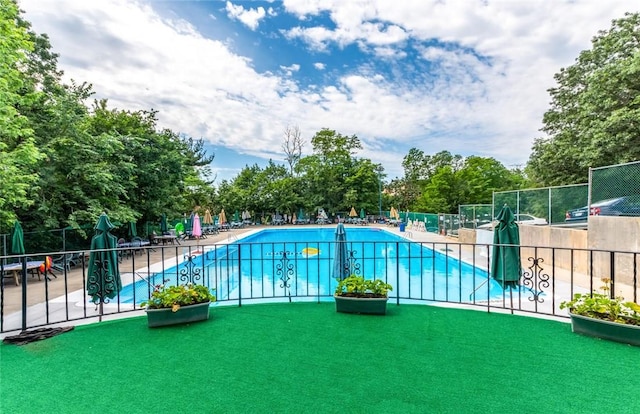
[248, 272]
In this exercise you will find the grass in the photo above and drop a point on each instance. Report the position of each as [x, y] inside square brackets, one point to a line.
[305, 357]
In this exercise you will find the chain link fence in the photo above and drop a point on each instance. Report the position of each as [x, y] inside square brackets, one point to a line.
[548, 204]
[474, 215]
[614, 190]
[420, 221]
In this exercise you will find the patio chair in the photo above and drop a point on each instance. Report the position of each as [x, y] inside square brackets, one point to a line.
[62, 262]
[278, 220]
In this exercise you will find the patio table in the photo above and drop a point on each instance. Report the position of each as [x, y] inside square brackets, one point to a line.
[14, 269]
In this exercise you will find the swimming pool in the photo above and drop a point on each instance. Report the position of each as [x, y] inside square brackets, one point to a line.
[298, 263]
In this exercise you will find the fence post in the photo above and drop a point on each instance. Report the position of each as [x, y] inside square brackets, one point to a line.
[239, 276]
[398, 273]
[24, 292]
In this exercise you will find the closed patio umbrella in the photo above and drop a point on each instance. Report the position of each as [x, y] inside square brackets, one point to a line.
[188, 224]
[197, 229]
[17, 239]
[103, 277]
[133, 232]
[506, 264]
[222, 217]
[353, 213]
[236, 216]
[207, 219]
[163, 224]
[17, 247]
[340, 262]
[363, 215]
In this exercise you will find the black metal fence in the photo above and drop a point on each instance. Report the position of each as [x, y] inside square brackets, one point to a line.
[242, 273]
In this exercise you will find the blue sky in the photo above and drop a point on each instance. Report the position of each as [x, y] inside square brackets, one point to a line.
[469, 77]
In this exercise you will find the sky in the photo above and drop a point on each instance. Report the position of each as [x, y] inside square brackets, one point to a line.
[464, 76]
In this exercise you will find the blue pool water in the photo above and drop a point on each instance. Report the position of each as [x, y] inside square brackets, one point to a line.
[281, 263]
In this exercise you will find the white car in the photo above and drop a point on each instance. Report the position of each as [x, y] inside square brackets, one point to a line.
[527, 219]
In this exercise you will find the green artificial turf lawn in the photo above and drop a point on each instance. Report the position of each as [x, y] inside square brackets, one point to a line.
[305, 357]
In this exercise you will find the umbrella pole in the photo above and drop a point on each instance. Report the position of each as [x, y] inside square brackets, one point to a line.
[101, 309]
[511, 291]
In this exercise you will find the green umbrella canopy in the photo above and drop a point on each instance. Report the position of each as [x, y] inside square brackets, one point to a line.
[17, 239]
[340, 261]
[506, 264]
[236, 216]
[133, 231]
[301, 214]
[103, 277]
[188, 223]
[362, 213]
[163, 224]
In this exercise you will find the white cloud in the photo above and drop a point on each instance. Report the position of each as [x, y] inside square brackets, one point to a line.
[250, 17]
[493, 62]
[289, 70]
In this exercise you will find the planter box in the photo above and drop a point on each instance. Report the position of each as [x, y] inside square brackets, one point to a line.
[371, 306]
[627, 334]
[186, 314]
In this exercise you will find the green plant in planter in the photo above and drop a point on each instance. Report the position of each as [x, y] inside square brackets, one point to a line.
[358, 286]
[602, 306]
[176, 296]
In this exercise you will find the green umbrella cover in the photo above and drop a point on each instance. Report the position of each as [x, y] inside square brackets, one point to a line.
[17, 239]
[362, 213]
[133, 231]
[188, 223]
[103, 277]
[340, 261]
[506, 264]
[236, 216]
[163, 224]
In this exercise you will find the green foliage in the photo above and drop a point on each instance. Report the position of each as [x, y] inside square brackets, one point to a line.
[358, 286]
[602, 306]
[593, 119]
[175, 296]
[471, 180]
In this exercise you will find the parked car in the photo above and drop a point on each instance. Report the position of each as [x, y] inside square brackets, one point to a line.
[527, 219]
[621, 206]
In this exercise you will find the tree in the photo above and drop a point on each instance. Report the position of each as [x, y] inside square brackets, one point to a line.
[292, 146]
[470, 180]
[594, 119]
[18, 154]
[325, 172]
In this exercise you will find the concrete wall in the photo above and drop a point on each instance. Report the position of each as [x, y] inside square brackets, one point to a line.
[467, 235]
[591, 254]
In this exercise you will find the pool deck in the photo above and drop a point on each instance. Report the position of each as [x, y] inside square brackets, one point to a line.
[60, 293]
